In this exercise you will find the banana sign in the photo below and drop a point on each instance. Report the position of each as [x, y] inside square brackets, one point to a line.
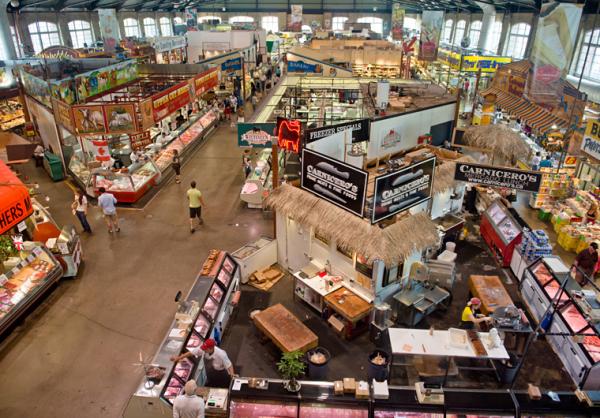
[591, 139]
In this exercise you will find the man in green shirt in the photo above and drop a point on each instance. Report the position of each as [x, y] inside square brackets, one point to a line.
[196, 202]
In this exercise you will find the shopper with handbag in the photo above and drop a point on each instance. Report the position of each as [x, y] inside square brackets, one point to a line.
[80, 208]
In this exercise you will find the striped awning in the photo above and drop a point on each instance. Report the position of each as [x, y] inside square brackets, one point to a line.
[535, 116]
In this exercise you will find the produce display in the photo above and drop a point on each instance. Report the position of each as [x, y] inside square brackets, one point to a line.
[28, 279]
[11, 114]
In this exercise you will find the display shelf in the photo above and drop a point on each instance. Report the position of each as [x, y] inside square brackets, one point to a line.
[32, 275]
[500, 231]
[580, 354]
[554, 186]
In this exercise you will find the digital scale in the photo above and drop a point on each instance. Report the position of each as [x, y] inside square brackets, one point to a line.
[217, 399]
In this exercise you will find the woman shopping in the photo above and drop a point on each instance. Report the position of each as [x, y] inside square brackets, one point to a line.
[80, 208]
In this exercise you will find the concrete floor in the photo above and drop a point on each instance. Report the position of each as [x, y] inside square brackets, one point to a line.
[74, 355]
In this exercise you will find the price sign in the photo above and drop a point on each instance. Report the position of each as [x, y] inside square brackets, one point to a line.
[21, 226]
[3, 279]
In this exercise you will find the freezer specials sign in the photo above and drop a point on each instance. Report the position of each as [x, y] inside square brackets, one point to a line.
[359, 128]
[337, 182]
[525, 181]
[591, 139]
[403, 189]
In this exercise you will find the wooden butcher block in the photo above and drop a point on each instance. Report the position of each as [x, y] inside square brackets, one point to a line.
[285, 330]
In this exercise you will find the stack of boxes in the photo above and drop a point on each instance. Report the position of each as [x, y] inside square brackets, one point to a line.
[535, 244]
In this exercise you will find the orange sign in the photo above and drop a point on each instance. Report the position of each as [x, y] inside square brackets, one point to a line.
[15, 204]
[288, 134]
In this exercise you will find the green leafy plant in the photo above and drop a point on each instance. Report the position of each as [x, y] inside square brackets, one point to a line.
[7, 248]
[291, 367]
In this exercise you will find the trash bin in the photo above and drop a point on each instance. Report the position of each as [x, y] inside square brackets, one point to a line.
[507, 369]
[378, 372]
[318, 371]
[53, 166]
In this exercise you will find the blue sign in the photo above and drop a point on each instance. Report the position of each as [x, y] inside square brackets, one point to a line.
[302, 67]
[234, 64]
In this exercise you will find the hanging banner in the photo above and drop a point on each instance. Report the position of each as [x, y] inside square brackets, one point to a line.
[167, 102]
[120, 118]
[99, 147]
[303, 67]
[140, 141]
[591, 139]
[206, 81]
[397, 22]
[402, 189]
[63, 90]
[337, 182]
[296, 18]
[521, 180]
[474, 63]
[191, 19]
[257, 135]
[89, 119]
[98, 81]
[146, 111]
[36, 88]
[15, 205]
[431, 28]
[289, 134]
[359, 128]
[234, 64]
[109, 29]
[62, 114]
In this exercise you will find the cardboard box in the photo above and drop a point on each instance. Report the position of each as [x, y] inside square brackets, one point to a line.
[362, 390]
[338, 387]
[349, 385]
[534, 392]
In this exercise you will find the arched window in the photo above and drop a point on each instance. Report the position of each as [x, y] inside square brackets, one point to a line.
[270, 23]
[150, 27]
[493, 40]
[81, 33]
[131, 27]
[337, 23]
[475, 33]
[43, 35]
[591, 69]
[241, 19]
[517, 40]
[178, 21]
[165, 26]
[204, 19]
[459, 32]
[16, 43]
[410, 23]
[375, 22]
[447, 32]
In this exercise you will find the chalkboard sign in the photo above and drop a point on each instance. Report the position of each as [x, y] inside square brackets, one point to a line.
[458, 137]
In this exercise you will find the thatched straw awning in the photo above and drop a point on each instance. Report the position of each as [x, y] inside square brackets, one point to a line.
[500, 140]
[444, 174]
[391, 245]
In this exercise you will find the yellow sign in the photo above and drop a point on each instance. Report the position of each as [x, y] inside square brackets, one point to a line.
[486, 64]
[591, 139]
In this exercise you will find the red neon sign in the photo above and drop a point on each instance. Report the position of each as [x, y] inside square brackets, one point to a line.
[288, 135]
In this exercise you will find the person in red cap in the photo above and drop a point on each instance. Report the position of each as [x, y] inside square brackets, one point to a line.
[219, 370]
[471, 316]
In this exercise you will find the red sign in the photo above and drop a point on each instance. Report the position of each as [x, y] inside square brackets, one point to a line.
[288, 134]
[547, 73]
[167, 102]
[15, 204]
[206, 81]
[140, 141]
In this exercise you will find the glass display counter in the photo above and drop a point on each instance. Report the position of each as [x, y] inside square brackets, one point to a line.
[25, 277]
[125, 186]
[260, 182]
[500, 231]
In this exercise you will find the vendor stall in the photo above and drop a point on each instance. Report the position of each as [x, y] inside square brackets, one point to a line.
[203, 314]
[170, 49]
[27, 268]
[574, 333]
[501, 232]
[260, 181]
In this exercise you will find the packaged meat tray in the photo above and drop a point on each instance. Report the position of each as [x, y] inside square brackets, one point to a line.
[592, 346]
[542, 274]
[193, 342]
[574, 318]
[183, 369]
[228, 265]
[211, 308]
[224, 278]
[216, 293]
[202, 326]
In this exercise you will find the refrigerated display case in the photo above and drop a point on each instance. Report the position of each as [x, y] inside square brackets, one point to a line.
[575, 320]
[260, 182]
[126, 187]
[501, 232]
[35, 270]
[204, 313]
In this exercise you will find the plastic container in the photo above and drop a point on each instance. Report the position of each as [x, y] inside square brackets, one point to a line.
[507, 370]
[318, 371]
[376, 371]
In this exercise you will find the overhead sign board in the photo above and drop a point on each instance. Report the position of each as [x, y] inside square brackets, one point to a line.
[257, 135]
[591, 139]
[337, 182]
[402, 189]
[525, 181]
[359, 128]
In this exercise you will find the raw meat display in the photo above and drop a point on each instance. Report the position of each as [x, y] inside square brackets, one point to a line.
[496, 213]
[401, 414]
[324, 411]
[224, 278]
[592, 346]
[216, 293]
[183, 369]
[542, 274]
[193, 342]
[552, 288]
[155, 373]
[508, 229]
[208, 118]
[265, 410]
[202, 326]
[573, 318]
[211, 308]
[228, 265]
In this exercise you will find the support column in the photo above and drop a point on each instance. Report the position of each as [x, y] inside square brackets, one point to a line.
[5, 35]
[487, 24]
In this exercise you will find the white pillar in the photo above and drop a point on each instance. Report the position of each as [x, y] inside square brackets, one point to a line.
[6, 44]
[487, 24]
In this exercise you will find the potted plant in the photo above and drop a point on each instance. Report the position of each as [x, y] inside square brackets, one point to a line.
[7, 249]
[291, 367]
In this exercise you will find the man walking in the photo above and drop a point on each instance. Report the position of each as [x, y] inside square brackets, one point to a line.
[107, 203]
[196, 202]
